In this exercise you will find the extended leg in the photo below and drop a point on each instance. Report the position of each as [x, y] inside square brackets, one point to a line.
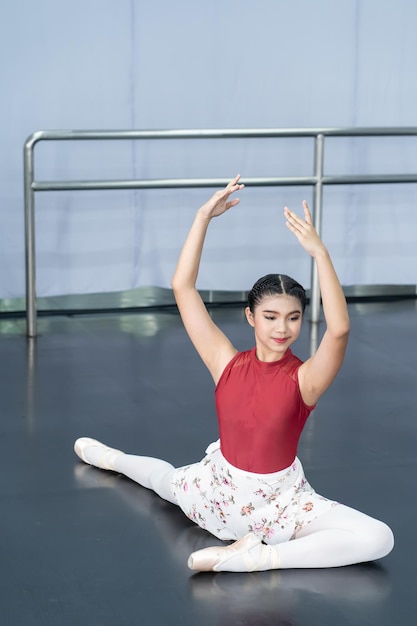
[342, 536]
[149, 472]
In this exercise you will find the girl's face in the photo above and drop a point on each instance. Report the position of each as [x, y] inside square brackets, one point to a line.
[277, 323]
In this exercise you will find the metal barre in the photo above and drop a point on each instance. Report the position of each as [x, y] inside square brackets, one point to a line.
[317, 181]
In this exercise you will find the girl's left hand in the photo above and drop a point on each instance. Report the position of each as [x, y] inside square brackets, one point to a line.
[304, 230]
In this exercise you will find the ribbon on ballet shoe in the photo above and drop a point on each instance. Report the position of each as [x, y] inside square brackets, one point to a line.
[108, 458]
[243, 555]
[234, 558]
[269, 558]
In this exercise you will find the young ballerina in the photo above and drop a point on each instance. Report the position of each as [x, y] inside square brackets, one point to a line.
[250, 486]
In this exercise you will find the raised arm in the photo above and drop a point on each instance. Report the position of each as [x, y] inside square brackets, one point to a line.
[318, 372]
[212, 345]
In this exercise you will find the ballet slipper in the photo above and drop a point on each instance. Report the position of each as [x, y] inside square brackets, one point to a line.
[106, 458]
[245, 555]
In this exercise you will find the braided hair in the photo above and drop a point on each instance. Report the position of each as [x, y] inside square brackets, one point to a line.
[274, 285]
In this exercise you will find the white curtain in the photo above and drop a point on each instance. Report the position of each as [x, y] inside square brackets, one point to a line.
[131, 64]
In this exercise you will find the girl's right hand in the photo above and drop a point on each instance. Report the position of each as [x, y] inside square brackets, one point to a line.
[219, 202]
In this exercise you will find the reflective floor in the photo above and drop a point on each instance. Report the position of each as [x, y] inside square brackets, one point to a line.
[84, 546]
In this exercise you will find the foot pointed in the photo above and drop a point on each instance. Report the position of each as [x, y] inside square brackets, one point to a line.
[241, 556]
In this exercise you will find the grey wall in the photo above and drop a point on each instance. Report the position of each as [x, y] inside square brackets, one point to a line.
[121, 64]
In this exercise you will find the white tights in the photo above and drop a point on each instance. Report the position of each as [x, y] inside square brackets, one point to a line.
[342, 536]
[151, 473]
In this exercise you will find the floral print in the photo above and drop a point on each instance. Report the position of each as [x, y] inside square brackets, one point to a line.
[229, 502]
[247, 510]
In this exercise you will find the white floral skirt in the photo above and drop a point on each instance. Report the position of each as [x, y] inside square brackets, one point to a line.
[230, 502]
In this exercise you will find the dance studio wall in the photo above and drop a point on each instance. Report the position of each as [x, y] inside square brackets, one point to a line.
[131, 64]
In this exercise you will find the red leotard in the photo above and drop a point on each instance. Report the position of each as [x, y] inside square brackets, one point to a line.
[261, 412]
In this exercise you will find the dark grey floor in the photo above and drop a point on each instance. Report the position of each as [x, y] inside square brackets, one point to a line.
[82, 546]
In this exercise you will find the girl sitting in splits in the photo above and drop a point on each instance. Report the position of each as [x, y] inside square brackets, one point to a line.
[250, 486]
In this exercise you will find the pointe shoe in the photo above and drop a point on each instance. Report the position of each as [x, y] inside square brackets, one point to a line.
[245, 555]
[106, 458]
